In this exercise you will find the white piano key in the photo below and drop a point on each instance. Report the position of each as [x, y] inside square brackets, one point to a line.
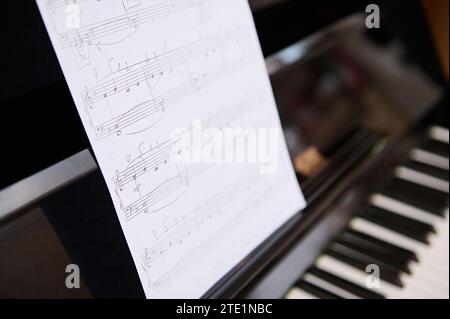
[440, 134]
[422, 250]
[401, 208]
[436, 257]
[433, 265]
[412, 290]
[422, 179]
[422, 289]
[442, 246]
[319, 282]
[387, 235]
[429, 158]
[429, 277]
[358, 277]
[297, 293]
[426, 276]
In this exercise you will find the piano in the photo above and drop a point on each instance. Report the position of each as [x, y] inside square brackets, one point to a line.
[365, 116]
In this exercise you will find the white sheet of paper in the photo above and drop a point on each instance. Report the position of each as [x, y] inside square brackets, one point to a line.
[137, 71]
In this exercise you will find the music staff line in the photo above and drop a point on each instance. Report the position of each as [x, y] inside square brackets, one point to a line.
[152, 159]
[157, 105]
[149, 163]
[177, 233]
[165, 152]
[170, 186]
[162, 154]
[144, 110]
[131, 19]
[252, 195]
[178, 269]
[118, 124]
[174, 235]
[148, 69]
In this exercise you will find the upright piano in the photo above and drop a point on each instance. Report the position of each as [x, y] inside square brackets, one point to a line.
[365, 117]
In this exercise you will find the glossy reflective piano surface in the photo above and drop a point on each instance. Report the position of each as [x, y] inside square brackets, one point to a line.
[352, 107]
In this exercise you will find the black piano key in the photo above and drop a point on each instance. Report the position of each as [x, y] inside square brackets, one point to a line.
[428, 170]
[344, 284]
[316, 291]
[398, 223]
[416, 195]
[400, 252]
[436, 147]
[361, 261]
[377, 254]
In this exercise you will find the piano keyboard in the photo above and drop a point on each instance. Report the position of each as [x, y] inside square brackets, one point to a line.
[404, 232]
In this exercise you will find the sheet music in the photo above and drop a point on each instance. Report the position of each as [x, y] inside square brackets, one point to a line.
[146, 77]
